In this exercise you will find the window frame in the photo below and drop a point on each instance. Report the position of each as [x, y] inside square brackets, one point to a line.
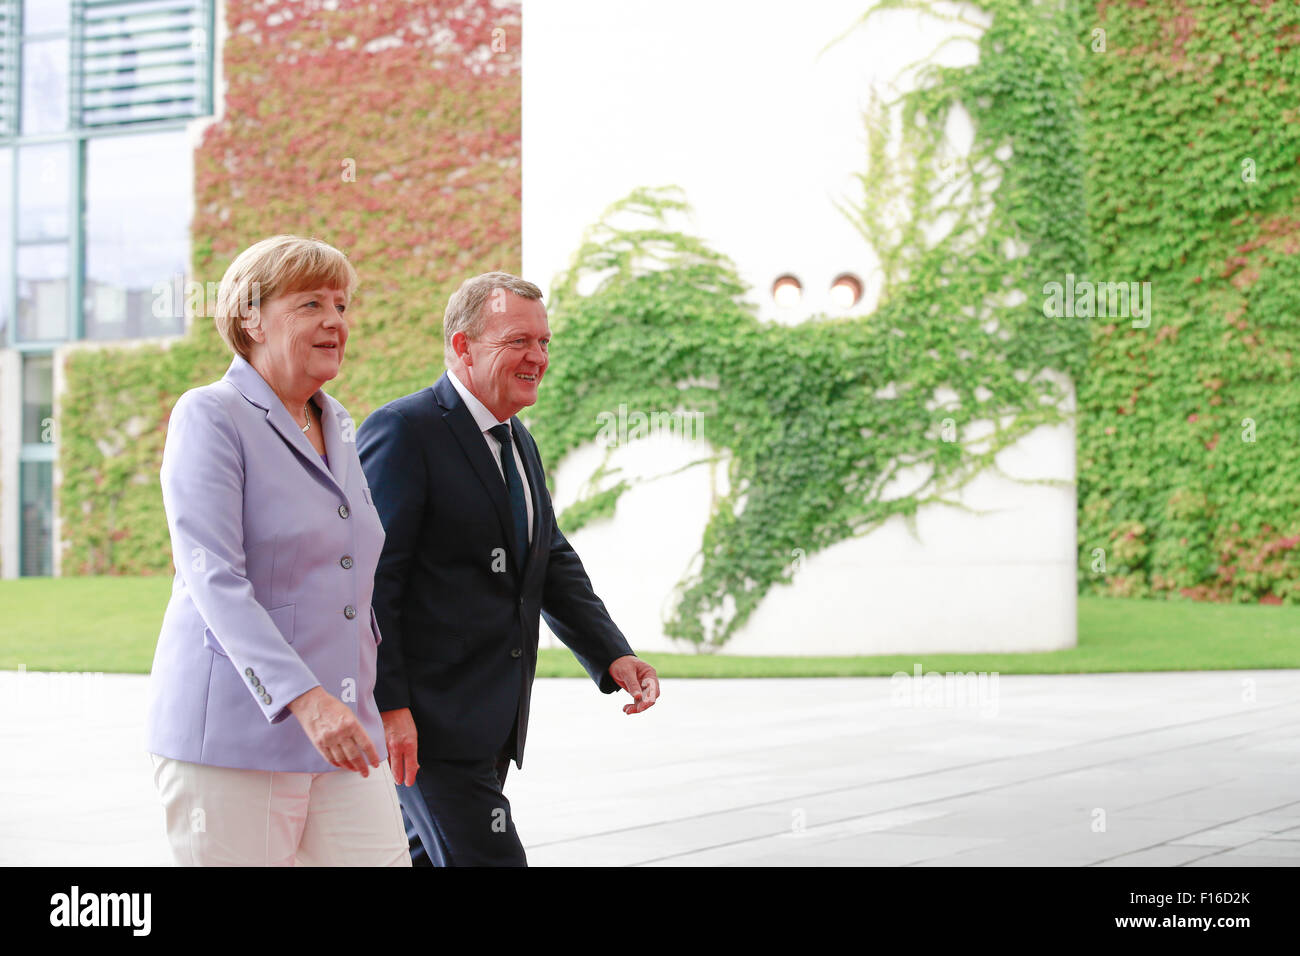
[76, 136]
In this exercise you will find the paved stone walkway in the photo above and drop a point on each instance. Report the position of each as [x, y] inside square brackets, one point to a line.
[1195, 769]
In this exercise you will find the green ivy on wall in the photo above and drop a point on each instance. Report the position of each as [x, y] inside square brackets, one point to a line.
[1176, 121]
[1187, 471]
[820, 422]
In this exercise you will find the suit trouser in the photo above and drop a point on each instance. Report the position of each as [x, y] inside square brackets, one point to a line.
[225, 816]
[457, 815]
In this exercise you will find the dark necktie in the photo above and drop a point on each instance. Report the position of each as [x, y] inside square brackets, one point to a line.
[515, 490]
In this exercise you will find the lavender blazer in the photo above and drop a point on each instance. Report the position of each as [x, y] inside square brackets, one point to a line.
[275, 557]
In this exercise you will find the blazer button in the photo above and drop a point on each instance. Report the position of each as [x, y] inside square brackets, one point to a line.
[346, 561]
[266, 698]
[521, 602]
[349, 612]
[515, 652]
[343, 511]
[248, 672]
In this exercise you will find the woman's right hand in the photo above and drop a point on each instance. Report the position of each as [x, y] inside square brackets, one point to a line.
[334, 730]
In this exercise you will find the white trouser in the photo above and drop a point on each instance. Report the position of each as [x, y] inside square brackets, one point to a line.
[222, 816]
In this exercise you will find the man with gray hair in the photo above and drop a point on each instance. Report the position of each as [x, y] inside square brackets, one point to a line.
[472, 558]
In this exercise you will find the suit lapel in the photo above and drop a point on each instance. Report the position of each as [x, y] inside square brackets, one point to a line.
[462, 425]
[254, 388]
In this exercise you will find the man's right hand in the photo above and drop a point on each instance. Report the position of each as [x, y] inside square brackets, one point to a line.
[399, 735]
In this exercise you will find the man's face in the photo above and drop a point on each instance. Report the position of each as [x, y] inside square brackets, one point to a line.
[505, 365]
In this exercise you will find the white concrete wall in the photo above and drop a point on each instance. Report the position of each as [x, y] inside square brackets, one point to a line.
[737, 103]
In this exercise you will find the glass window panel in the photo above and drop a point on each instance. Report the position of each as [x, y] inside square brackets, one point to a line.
[136, 8]
[37, 518]
[143, 62]
[8, 71]
[172, 19]
[6, 241]
[115, 78]
[139, 202]
[43, 176]
[45, 86]
[140, 113]
[46, 16]
[43, 292]
[155, 92]
[128, 62]
[38, 398]
[175, 37]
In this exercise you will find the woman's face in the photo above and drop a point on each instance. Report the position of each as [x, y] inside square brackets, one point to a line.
[303, 335]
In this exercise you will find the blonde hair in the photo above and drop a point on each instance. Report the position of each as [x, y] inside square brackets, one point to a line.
[465, 307]
[276, 266]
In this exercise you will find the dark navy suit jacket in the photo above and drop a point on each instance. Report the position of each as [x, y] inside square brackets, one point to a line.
[459, 618]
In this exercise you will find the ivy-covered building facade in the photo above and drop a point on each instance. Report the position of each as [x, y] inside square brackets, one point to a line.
[144, 143]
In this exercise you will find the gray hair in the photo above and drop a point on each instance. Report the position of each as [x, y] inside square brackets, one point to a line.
[466, 305]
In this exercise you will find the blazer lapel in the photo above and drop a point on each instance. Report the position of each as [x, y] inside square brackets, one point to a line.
[462, 425]
[332, 429]
[254, 388]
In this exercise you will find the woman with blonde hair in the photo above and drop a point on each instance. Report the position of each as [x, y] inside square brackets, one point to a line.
[267, 746]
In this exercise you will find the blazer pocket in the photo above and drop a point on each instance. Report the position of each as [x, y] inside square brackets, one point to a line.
[442, 649]
[281, 617]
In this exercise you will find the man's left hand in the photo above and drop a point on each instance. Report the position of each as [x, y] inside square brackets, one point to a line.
[637, 678]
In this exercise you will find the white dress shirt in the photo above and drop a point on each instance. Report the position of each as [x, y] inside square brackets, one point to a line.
[485, 420]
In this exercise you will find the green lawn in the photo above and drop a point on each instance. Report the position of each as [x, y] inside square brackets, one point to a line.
[111, 624]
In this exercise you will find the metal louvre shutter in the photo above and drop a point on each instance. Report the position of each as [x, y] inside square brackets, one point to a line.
[139, 61]
[8, 67]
